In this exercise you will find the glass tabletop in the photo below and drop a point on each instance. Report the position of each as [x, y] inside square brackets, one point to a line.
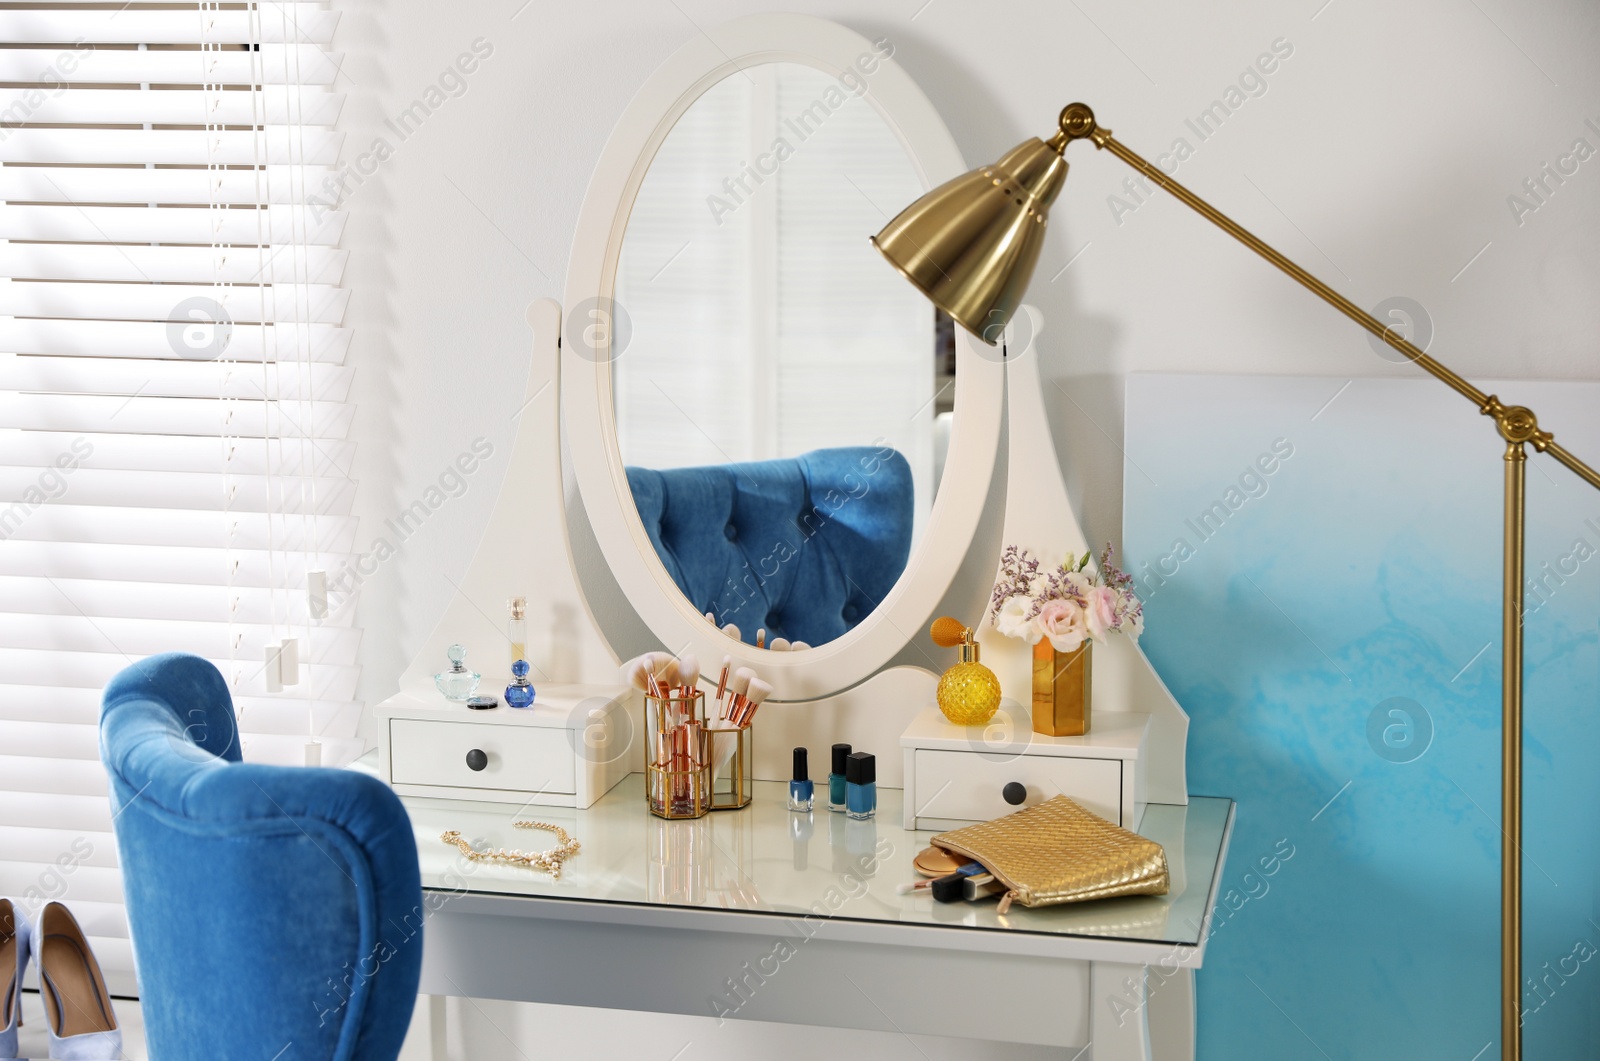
[767, 859]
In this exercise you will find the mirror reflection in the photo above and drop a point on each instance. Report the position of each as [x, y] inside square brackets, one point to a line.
[784, 400]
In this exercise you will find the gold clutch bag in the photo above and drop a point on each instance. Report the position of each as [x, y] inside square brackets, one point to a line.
[1058, 852]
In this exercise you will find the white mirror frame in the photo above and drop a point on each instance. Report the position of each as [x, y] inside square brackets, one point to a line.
[588, 410]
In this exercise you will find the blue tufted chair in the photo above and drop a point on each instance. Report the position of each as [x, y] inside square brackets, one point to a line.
[804, 547]
[268, 905]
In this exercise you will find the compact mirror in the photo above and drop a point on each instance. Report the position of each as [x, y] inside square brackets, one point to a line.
[783, 401]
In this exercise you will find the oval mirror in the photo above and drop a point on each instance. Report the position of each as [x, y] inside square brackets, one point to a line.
[773, 433]
[783, 397]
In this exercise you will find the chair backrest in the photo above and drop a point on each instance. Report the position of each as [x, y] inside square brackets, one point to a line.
[804, 547]
[268, 905]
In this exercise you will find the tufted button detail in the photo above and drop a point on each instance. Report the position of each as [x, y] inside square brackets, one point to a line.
[730, 532]
[849, 613]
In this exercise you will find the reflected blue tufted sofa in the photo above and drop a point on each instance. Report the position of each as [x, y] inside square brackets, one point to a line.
[804, 547]
[268, 905]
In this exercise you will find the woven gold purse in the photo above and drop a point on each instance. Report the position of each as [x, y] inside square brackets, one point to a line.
[1058, 852]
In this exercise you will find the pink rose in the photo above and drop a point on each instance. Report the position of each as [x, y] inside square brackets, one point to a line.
[1063, 623]
[1100, 611]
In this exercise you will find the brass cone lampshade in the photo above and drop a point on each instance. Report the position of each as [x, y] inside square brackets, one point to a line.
[971, 244]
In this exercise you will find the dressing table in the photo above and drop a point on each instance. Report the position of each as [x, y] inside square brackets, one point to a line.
[743, 906]
[772, 916]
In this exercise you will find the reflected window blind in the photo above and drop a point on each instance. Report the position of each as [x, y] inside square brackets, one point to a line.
[174, 460]
[737, 349]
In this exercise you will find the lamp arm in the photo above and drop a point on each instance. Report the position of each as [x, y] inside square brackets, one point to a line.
[1517, 424]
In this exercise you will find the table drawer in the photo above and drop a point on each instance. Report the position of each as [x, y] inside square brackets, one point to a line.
[518, 758]
[967, 786]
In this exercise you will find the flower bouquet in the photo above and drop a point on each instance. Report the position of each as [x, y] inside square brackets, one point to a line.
[1062, 610]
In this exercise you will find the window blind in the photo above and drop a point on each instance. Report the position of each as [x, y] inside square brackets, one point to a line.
[174, 459]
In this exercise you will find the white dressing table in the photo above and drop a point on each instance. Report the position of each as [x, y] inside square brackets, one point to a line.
[741, 915]
[737, 915]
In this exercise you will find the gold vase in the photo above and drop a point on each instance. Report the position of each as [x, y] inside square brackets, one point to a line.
[1061, 682]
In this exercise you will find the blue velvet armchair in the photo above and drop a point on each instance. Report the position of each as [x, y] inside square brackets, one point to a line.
[268, 905]
[804, 547]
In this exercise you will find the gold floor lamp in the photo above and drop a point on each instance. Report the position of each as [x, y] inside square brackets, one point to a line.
[970, 246]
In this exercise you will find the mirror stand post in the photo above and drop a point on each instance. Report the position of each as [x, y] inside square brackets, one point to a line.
[1039, 516]
[524, 550]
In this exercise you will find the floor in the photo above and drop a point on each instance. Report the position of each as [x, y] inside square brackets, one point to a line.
[33, 1039]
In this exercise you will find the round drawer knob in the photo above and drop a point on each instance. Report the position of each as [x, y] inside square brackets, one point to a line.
[1014, 793]
[476, 760]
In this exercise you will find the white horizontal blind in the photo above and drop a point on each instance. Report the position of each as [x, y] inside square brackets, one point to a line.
[174, 456]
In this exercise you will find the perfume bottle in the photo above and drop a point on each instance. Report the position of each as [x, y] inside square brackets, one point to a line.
[969, 692]
[801, 795]
[517, 627]
[457, 683]
[861, 786]
[519, 693]
[836, 779]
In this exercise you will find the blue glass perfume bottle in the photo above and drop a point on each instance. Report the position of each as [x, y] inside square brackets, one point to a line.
[836, 780]
[519, 693]
[801, 793]
[861, 786]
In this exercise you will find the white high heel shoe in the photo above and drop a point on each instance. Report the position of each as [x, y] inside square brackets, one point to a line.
[14, 937]
[77, 1005]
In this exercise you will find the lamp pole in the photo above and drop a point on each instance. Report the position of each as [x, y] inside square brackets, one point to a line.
[1511, 754]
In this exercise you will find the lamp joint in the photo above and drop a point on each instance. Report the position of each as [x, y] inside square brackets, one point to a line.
[1077, 123]
[1517, 424]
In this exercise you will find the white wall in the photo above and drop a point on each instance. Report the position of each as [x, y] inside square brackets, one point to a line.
[1380, 157]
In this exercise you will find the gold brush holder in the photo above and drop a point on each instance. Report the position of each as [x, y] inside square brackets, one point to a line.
[677, 771]
[692, 766]
[733, 786]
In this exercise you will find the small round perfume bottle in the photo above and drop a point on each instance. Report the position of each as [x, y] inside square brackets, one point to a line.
[458, 683]
[519, 693]
[968, 693]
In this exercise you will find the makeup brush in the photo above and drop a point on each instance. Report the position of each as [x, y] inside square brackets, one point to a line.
[656, 665]
[779, 644]
[711, 617]
[740, 709]
[761, 637]
[796, 646]
[634, 670]
[737, 686]
[733, 631]
[688, 674]
[722, 682]
[759, 691]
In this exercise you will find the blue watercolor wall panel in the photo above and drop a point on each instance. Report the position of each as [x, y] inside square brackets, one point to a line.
[1321, 564]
